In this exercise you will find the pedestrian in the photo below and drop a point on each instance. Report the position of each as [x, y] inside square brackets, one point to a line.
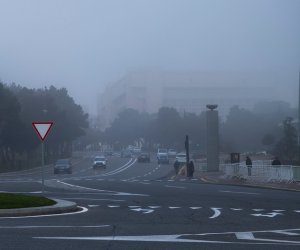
[249, 165]
[191, 169]
[176, 166]
[276, 162]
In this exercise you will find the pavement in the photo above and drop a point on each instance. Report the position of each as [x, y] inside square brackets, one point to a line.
[221, 178]
[61, 206]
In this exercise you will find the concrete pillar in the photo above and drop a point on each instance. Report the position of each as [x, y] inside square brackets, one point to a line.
[212, 138]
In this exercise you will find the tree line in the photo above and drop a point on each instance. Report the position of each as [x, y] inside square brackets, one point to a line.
[269, 126]
[19, 107]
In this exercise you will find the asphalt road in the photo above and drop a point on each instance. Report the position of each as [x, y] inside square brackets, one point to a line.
[133, 205]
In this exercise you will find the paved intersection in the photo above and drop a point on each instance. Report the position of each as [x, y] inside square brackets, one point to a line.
[133, 205]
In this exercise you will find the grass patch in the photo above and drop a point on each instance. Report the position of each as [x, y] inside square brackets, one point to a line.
[8, 200]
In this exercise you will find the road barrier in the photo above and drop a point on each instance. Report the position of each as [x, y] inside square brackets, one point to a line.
[261, 172]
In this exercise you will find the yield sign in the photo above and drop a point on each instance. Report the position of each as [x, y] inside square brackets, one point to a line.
[42, 128]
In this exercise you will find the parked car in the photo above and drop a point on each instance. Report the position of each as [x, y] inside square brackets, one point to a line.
[144, 157]
[63, 166]
[162, 156]
[99, 162]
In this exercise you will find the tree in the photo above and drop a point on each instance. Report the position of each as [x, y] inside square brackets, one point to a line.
[287, 147]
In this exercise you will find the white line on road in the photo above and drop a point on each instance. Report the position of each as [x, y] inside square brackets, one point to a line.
[217, 212]
[244, 236]
[174, 186]
[234, 192]
[194, 208]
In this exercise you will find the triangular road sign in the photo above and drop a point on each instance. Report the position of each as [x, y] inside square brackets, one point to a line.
[42, 128]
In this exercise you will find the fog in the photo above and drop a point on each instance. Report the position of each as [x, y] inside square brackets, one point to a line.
[86, 45]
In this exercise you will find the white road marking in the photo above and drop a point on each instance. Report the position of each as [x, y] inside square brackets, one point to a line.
[258, 209]
[278, 210]
[174, 207]
[297, 211]
[234, 192]
[133, 206]
[84, 209]
[121, 169]
[93, 205]
[179, 238]
[194, 208]
[270, 215]
[143, 210]
[113, 206]
[174, 186]
[236, 209]
[286, 233]
[217, 212]
[154, 207]
[145, 183]
[244, 236]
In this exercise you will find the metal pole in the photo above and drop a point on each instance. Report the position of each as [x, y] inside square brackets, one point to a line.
[43, 187]
[187, 150]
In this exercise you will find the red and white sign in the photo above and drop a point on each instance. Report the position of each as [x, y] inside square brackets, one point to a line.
[42, 129]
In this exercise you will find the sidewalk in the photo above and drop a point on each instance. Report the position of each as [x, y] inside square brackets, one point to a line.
[221, 178]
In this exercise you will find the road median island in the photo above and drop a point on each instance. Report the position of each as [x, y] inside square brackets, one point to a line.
[26, 205]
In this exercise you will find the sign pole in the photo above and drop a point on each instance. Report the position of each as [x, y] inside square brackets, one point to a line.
[43, 162]
[42, 129]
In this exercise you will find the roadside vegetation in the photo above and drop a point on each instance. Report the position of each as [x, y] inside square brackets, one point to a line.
[8, 201]
[269, 127]
[19, 107]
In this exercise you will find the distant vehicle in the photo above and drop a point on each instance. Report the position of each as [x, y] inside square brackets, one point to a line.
[144, 157]
[181, 158]
[171, 153]
[136, 150]
[63, 166]
[108, 152]
[162, 156]
[99, 162]
[126, 153]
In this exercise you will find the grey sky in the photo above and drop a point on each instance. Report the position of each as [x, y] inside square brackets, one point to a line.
[83, 45]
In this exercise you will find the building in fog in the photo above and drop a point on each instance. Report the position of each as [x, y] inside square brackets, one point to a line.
[186, 92]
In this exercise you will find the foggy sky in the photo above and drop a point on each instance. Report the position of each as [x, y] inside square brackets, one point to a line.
[84, 45]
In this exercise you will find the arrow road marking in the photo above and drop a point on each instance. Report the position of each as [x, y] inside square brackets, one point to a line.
[270, 215]
[143, 210]
[217, 212]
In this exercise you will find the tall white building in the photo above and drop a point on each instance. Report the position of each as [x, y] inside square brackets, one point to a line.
[147, 91]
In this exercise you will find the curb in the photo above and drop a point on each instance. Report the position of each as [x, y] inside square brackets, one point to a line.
[248, 185]
[61, 206]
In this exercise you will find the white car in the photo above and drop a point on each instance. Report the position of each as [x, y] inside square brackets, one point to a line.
[99, 161]
[181, 158]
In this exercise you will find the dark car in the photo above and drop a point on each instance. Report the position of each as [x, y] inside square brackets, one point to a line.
[63, 166]
[144, 157]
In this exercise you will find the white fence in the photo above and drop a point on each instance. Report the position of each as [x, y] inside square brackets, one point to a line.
[262, 172]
